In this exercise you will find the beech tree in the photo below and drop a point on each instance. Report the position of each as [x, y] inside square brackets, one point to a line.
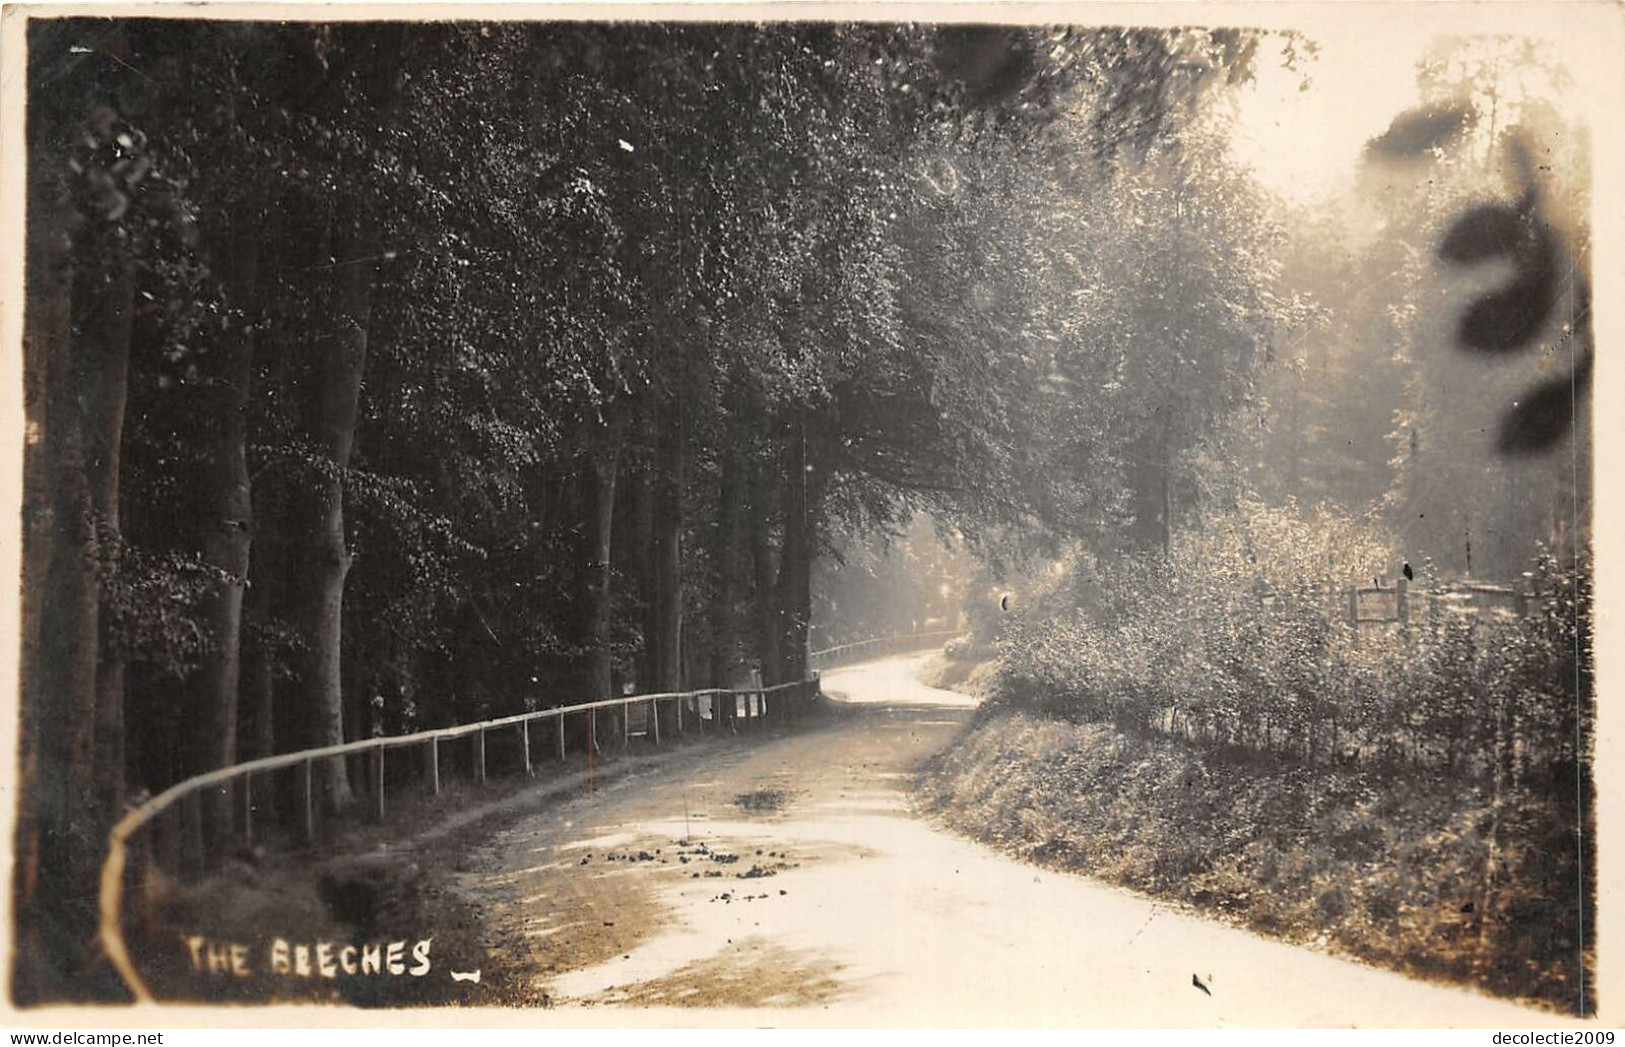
[384, 376]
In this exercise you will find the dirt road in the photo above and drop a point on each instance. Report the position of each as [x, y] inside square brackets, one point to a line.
[788, 884]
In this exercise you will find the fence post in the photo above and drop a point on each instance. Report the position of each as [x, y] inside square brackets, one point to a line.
[560, 718]
[524, 734]
[434, 765]
[479, 755]
[378, 778]
[680, 702]
[654, 719]
[310, 806]
[626, 725]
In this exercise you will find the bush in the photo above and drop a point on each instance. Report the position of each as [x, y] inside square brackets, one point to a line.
[1403, 877]
[1471, 727]
[1241, 638]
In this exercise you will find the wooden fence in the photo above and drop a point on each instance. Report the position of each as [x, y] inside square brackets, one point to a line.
[1397, 604]
[746, 708]
[875, 648]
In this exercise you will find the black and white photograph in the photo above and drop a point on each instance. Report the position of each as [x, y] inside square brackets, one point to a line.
[795, 516]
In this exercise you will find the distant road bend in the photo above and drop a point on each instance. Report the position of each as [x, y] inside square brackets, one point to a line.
[789, 884]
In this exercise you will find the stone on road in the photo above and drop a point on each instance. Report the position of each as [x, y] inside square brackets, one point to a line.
[788, 883]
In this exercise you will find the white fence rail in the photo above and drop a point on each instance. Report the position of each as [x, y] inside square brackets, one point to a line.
[235, 785]
[874, 648]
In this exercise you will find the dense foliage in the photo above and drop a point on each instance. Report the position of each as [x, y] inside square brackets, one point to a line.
[1238, 639]
[383, 376]
[1414, 446]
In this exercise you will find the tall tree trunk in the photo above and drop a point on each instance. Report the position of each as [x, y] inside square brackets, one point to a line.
[257, 677]
[263, 726]
[333, 398]
[60, 604]
[69, 642]
[264, 721]
[668, 537]
[764, 582]
[594, 573]
[227, 531]
[802, 494]
[638, 540]
[102, 318]
[44, 339]
[79, 327]
[343, 271]
[725, 560]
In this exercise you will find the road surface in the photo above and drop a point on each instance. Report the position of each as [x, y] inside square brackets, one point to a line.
[789, 884]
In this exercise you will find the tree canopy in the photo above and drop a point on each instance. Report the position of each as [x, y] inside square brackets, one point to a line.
[393, 375]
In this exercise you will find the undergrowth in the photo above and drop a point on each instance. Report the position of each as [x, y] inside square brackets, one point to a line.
[1415, 875]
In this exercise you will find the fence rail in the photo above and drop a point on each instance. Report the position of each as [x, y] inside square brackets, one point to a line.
[750, 704]
[828, 656]
[1398, 604]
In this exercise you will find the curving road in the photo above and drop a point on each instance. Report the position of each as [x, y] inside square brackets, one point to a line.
[788, 884]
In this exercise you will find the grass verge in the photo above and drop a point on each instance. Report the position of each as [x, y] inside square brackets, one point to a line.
[1425, 875]
[975, 678]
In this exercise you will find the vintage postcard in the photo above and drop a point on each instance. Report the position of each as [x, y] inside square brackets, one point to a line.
[811, 515]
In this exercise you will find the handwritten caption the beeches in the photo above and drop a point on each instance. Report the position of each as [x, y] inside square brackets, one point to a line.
[216, 957]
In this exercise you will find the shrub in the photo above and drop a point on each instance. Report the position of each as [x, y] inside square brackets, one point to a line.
[1241, 638]
[1469, 726]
